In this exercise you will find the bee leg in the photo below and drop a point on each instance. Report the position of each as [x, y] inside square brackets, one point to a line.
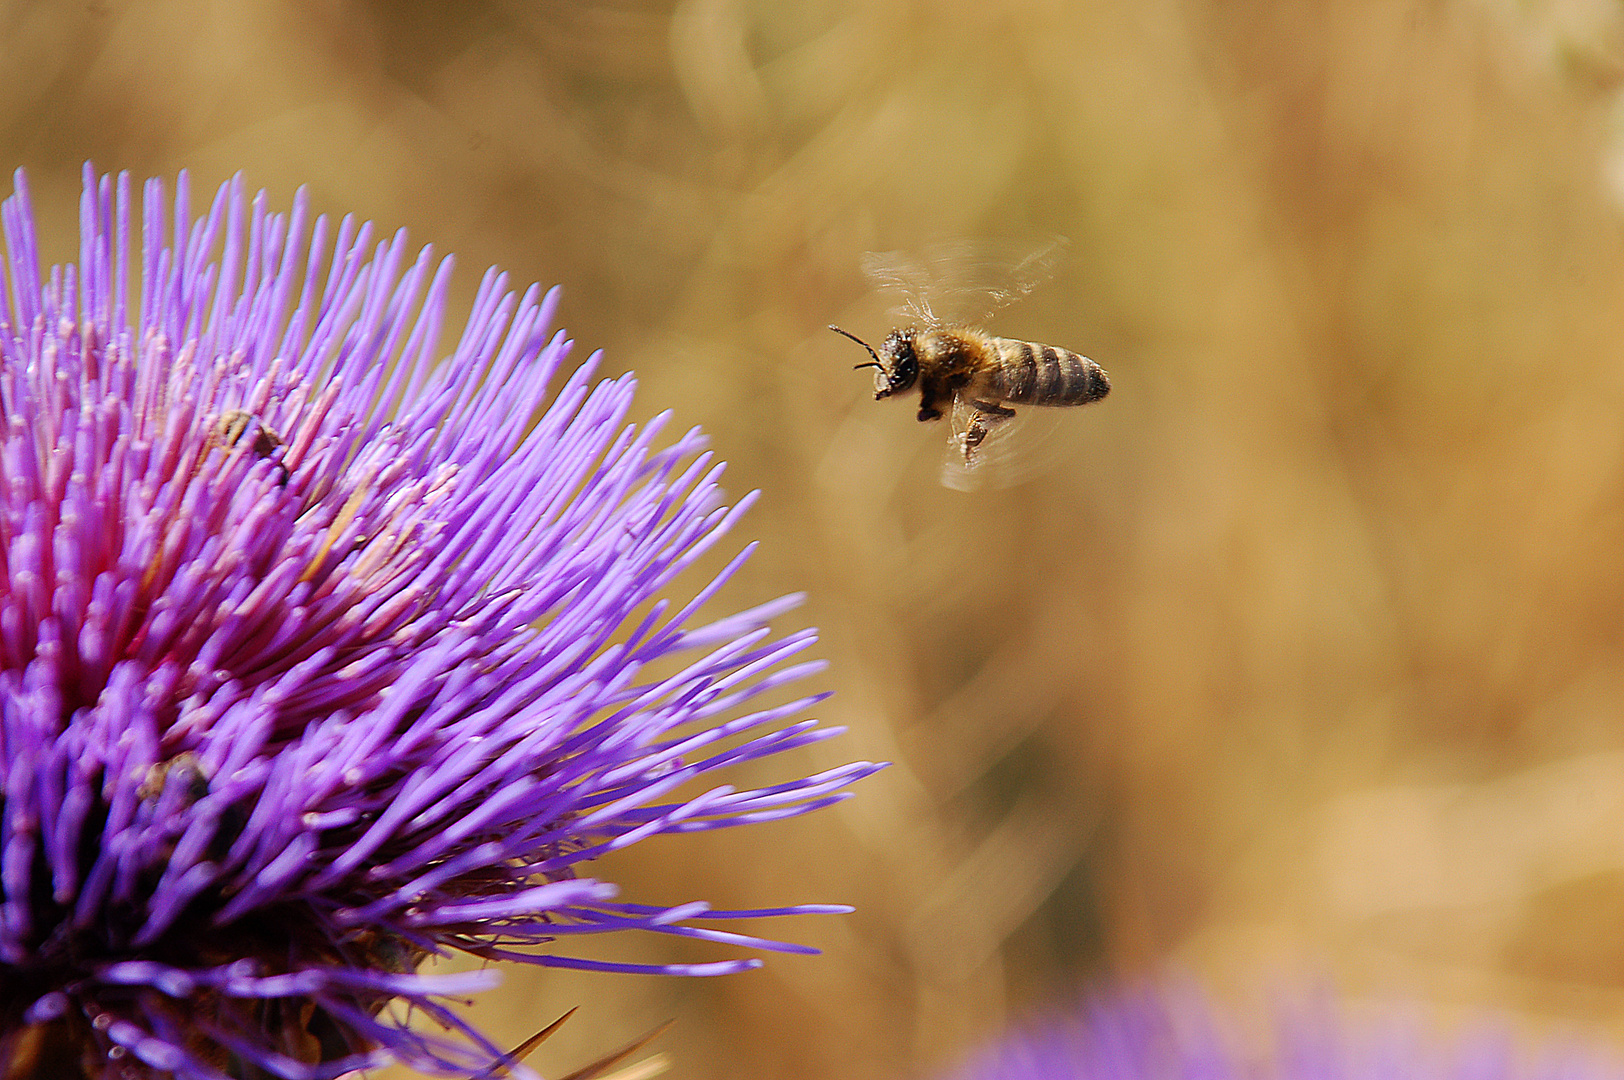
[931, 395]
[989, 414]
[972, 438]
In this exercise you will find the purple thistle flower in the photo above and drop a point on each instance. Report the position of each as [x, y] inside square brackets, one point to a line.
[318, 657]
[1152, 1033]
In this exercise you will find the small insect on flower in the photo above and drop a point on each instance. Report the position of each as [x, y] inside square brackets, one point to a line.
[233, 424]
[964, 369]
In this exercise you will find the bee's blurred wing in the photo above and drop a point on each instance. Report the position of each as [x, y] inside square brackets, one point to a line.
[906, 280]
[988, 451]
[962, 281]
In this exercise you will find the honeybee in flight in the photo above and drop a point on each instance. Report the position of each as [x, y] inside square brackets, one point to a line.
[965, 370]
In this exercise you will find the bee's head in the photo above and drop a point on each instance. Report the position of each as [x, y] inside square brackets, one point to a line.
[896, 368]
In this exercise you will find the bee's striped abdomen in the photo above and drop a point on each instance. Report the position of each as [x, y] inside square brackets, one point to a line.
[1033, 374]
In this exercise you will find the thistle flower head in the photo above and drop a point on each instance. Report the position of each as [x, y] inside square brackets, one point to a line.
[323, 651]
[1151, 1033]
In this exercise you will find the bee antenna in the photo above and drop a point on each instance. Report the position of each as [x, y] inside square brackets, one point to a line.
[875, 363]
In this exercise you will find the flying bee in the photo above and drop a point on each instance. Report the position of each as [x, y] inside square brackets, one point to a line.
[964, 366]
[974, 374]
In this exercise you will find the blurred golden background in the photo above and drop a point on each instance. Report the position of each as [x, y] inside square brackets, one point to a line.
[1304, 660]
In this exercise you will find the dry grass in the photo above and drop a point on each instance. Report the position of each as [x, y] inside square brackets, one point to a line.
[1307, 655]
